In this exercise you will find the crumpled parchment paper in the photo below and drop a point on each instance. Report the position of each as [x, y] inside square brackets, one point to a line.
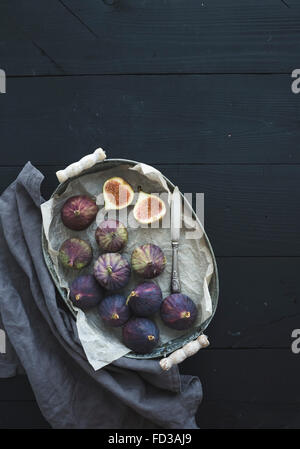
[101, 343]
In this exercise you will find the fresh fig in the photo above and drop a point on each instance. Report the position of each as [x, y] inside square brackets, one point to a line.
[114, 310]
[148, 260]
[141, 335]
[75, 253]
[145, 299]
[85, 292]
[78, 212]
[111, 236]
[148, 208]
[112, 271]
[117, 193]
[178, 311]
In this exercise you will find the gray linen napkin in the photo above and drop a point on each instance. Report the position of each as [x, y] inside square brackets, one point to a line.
[43, 340]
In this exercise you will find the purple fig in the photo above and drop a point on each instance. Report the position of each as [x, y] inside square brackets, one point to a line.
[145, 299]
[79, 212]
[114, 310]
[111, 236]
[141, 335]
[85, 292]
[75, 253]
[178, 311]
[148, 260]
[112, 271]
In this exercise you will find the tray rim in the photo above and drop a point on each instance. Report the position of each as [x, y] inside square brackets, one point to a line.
[173, 345]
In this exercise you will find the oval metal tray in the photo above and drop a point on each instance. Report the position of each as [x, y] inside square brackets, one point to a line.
[173, 345]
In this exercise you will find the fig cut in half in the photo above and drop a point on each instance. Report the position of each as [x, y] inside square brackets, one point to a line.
[117, 193]
[148, 208]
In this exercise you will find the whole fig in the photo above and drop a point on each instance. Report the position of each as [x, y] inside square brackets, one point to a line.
[148, 260]
[114, 311]
[112, 271]
[78, 212]
[178, 311]
[145, 299]
[111, 236]
[75, 253]
[85, 292]
[141, 335]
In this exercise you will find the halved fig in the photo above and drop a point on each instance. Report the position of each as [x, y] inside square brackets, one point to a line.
[117, 193]
[148, 208]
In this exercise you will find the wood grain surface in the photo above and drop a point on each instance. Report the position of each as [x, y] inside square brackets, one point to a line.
[201, 90]
[150, 36]
[203, 119]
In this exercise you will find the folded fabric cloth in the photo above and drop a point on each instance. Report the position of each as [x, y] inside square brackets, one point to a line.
[42, 340]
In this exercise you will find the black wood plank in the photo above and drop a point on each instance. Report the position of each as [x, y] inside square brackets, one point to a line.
[16, 389]
[247, 388]
[258, 304]
[172, 119]
[248, 415]
[249, 210]
[21, 415]
[242, 389]
[130, 36]
[267, 375]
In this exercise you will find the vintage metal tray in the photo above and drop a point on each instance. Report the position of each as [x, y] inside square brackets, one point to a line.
[171, 346]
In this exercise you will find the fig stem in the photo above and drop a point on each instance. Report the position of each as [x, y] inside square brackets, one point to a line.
[115, 316]
[77, 297]
[76, 212]
[133, 293]
[109, 270]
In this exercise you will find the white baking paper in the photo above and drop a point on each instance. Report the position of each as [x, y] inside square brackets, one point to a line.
[102, 344]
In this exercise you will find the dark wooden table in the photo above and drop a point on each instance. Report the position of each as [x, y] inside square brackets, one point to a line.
[201, 90]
